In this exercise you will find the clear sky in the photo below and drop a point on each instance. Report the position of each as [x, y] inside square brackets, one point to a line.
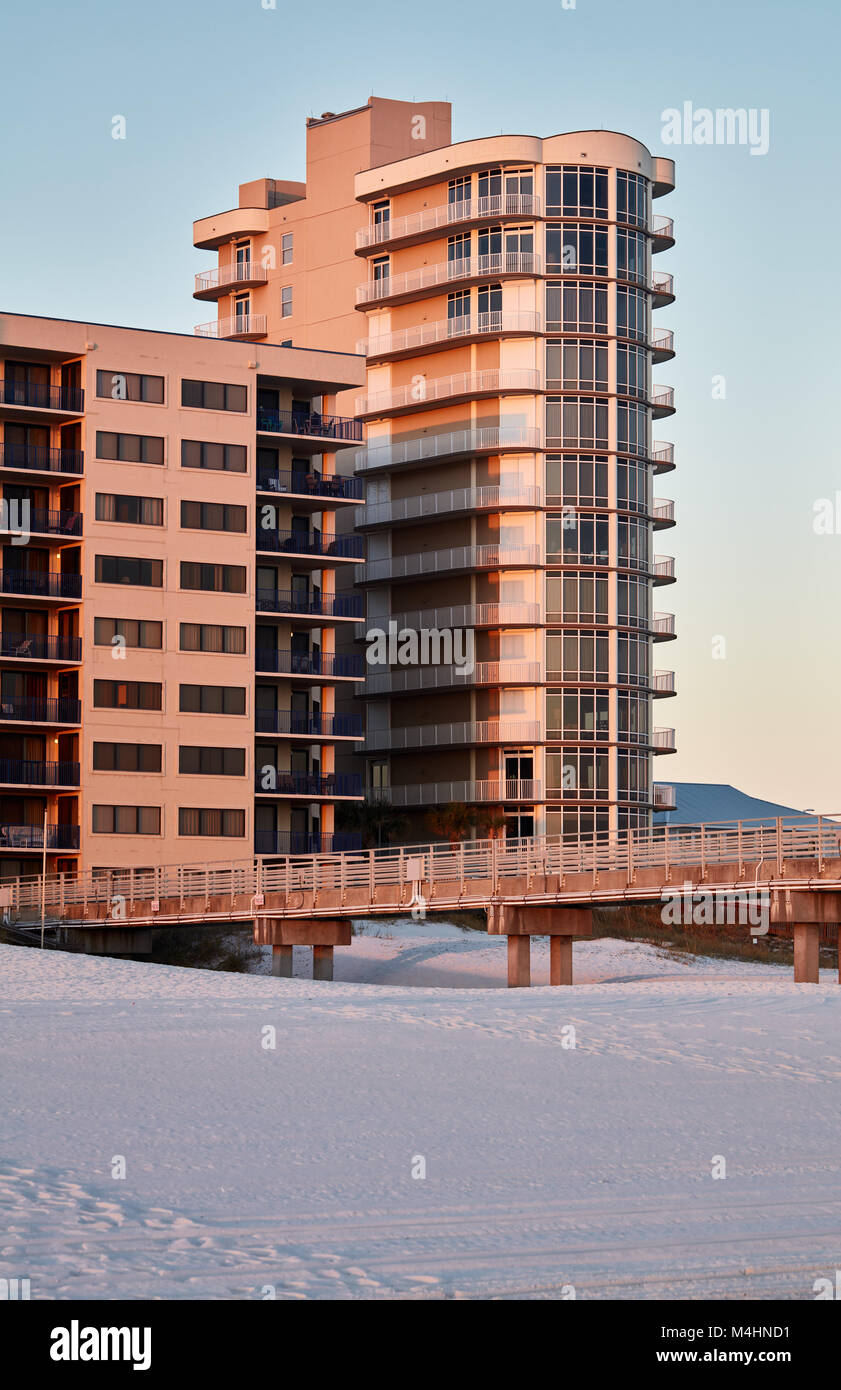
[216, 93]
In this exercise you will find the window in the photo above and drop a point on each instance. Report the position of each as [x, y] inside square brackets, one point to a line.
[634, 652]
[632, 427]
[572, 366]
[458, 193]
[214, 395]
[632, 257]
[576, 308]
[631, 371]
[634, 601]
[631, 199]
[128, 569]
[631, 314]
[127, 757]
[578, 774]
[380, 269]
[130, 386]
[210, 637]
[212, 699]
[577, 539]
[574, 598]
[577, 479]
[577, 656]
[458, 251]
[634, 720]
[137, 511]
[129, 448]
[135, 632]
[286, 249]
[490, 184]
[577, 192]
[577, 421]
[634, 543]
[632, 486]
[221, 458]
[286, 302]
[214, 516]
[145, 695]
[200, 820]
[634, 777]
[380, 217]
[212, 762]
[126, 820]
[577, 714]
[576, 249]
[217, 579]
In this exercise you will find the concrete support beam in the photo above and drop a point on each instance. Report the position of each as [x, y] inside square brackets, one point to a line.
[806, 952]
[302, 931]
[322, 962]
[519, 962]
[546, 919]
[282, 961]
[111, 941]
[560, 960]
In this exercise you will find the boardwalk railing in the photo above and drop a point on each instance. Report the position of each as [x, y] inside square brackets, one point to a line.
[757, 851]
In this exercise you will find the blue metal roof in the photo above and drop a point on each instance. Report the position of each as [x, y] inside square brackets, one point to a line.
[718, 801]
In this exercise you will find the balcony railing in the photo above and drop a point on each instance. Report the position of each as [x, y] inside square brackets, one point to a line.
[662, 400]
[311, 485]
[663, 511]
[309, 663]
[310, 425]
[663, 741]
[310, 605]
[41, 583]
[32, 837]
[662, 340]
[438, 793]
[39, 647]
[500, 263]
[663, 625]
[346, 547]
[662, 285]
[47, 710]
[402, 679]
[489, 731]
[24, 772]
[474, 615]
[237, 326]
[464, 557]
[663, 569]
[663, 683]
[663, 227]
[451, 444]
[447, 215]
[665, 797]
[293, 724]
[19, 518]
[36, 460]
[434, 504]
[662, 456]
[497, 324]
[426, 392]
[302, 842]
[237, 273]
[274, 782]
[67, 399]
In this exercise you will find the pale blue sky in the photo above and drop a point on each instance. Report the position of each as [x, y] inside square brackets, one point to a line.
[216, 93]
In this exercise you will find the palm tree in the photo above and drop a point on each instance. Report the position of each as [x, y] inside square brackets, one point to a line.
[451, 822]
[375, 818]
[491, 823]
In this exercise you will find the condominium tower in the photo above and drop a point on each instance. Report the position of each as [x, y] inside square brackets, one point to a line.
[504, 293]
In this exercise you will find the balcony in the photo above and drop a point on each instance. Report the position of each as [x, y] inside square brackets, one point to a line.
[21, 519]
[485, 615]
[406, 453]
[461, 386]
[18, 646]
[432, 505]
[26, 458]
[41, 584]
[663, 684]
[458, 560]
[418, 226]
[245, 328]
[48, 710]
[273, 781]
[301, 842]
[59, 400]
[25, 773]
[311, 433]
[663, 741]
[663, 569]
[242, 275]
[290, 724]
[431, 279]
[662, 232]
[32, 837]
[480, 732]
[326, 665]
[662, 401]
[662, 456]
[314, 606]
[332, 487]
[440, 793]
[663, 627]
[665, 797]
[662, 344]
[302, 545]
[662, 288]
[425, 337]
[405, 680]
[663, 513]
